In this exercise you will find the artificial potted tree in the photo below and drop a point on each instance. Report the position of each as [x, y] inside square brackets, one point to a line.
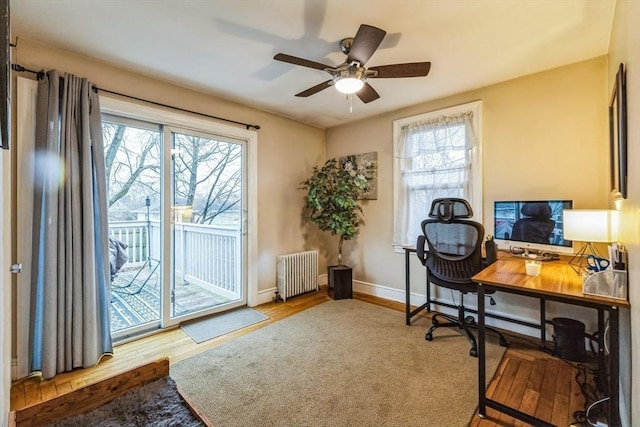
[332, 205]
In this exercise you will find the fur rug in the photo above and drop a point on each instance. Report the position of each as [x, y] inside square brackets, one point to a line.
[155, 404]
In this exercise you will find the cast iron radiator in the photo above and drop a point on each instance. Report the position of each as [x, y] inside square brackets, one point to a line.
[297, 273]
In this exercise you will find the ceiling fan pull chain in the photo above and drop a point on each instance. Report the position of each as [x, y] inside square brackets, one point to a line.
[350, 96]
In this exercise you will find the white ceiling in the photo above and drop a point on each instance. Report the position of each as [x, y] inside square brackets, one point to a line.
[226, 47]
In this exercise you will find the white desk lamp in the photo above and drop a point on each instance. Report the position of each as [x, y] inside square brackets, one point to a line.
[589, 225]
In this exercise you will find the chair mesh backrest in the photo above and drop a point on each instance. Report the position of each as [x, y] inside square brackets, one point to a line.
[455, 245]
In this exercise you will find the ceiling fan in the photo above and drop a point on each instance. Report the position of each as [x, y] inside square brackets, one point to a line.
[351, 76]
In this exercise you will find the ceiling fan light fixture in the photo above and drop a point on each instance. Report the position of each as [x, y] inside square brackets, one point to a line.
[349, 78]
[348, 85]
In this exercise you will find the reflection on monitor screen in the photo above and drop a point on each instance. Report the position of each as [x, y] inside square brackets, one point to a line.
[531, 225]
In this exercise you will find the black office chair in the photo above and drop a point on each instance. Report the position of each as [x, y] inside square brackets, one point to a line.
[454, 256]
[536, 226]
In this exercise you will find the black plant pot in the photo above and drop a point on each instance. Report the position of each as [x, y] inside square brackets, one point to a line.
[340, 282]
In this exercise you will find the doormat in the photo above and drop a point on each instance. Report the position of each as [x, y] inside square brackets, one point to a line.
[210, 327]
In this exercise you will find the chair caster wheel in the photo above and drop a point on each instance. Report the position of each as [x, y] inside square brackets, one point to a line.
[503, 342]
[428, 337]
[469, 320]
[473, 352]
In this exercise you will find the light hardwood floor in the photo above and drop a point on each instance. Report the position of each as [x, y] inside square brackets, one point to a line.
[527, 378]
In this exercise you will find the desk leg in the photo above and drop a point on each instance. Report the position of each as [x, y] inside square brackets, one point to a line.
[482, 381]
[543, 322]
[614, 366]
[602, 357]
[543, 328]
[407, 286]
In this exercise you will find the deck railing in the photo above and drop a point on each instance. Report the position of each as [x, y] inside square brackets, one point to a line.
[134, 235]
[205, 254]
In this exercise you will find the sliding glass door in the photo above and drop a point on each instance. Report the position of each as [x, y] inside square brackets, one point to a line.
[132, 159]
[207, 201]
[176, 203]
[168, 262]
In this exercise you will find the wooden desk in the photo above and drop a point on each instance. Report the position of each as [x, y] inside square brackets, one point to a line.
[557, 282]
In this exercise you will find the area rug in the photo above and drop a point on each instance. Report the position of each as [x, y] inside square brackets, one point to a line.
[213, 326]
[155, 404]
[341, 363]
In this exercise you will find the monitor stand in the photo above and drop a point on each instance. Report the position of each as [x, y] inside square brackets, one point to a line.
[540, 256]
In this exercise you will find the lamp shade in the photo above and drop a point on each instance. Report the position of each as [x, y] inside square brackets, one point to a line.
[590, 225]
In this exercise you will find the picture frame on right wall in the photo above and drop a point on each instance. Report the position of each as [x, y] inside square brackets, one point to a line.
[618, 134]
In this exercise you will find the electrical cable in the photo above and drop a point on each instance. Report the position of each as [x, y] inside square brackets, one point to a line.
[589, 389]
[605, 337]
[591, 407]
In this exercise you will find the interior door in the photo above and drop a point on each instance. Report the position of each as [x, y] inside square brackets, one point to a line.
[27, 91]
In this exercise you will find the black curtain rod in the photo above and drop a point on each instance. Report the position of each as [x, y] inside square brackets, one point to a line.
[40, 74]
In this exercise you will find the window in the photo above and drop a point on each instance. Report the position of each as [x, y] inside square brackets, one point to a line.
[437, 154]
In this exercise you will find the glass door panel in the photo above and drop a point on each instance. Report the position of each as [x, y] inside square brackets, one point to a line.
[207, 211]
[132, 160]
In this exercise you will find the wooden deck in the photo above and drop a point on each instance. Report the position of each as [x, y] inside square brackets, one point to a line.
[527, 378]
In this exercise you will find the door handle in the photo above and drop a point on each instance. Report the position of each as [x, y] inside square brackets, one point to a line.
[15, 268]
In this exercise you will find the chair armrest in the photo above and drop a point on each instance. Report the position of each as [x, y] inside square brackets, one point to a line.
[490, 250]
[420, 252]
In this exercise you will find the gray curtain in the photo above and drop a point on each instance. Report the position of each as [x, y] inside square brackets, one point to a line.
[70, 280]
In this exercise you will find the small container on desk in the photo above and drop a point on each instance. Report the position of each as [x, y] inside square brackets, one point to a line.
[606, 283]
[533, 267]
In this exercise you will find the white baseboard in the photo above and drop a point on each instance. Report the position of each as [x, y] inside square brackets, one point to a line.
[417, 300]
[266, 295]
[14, 368]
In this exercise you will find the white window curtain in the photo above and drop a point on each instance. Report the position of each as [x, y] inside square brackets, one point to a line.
[433, 158]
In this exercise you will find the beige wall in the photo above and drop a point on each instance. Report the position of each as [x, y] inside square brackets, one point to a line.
[544, 136]
[5, 294]
[625, 48]
[287, 149]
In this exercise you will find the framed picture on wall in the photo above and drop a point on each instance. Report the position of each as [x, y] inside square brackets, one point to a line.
[361, 163]
[618, 133]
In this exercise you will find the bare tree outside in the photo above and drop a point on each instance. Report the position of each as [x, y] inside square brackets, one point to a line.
[207, 177]
[132, 160]
[207, 174]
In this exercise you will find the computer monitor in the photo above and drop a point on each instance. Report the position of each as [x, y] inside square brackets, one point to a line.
[531, 226]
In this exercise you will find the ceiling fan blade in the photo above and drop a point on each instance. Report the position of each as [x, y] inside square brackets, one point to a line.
[300, 61]
[365, 43]
[315, 89]
[412, 69]
[367, 93]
